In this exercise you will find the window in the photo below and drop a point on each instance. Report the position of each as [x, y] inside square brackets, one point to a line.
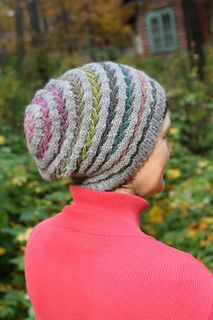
[162, 30]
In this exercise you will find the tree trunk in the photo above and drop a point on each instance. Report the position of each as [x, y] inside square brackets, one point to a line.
[19, 31]
[35, 21]
[194, 36]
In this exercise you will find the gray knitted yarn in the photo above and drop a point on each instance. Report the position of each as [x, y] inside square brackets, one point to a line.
[96, 124]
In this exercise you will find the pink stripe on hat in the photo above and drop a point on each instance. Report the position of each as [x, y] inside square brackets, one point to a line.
[29, 127]
[46, 122]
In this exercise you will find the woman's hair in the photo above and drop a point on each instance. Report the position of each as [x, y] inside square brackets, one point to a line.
[96, 124]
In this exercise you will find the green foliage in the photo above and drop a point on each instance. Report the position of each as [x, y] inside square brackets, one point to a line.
[11, 94]
[186, 210]
[25, 201]
[37, 67]
[180, 216]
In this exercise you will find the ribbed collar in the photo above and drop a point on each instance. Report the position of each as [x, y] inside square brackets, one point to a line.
[103, 212]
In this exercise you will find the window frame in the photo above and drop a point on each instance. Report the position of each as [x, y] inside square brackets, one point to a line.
[158, 14]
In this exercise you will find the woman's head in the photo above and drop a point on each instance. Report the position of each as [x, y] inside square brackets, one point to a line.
[149, 178]
[97, 124]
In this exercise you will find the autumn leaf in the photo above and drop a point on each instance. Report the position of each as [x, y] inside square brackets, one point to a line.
[173, 174]
[2, 139]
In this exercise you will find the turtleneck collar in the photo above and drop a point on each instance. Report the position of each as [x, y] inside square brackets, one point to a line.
[104, 212]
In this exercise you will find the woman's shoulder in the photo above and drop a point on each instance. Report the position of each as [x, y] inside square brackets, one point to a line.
[182, 258]
[42, 227]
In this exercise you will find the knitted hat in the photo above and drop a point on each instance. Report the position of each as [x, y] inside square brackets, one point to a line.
[96, 124]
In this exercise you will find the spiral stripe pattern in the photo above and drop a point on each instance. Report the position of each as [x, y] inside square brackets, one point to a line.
[95, 124]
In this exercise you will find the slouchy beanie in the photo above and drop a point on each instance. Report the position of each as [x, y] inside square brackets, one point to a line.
[95, 124]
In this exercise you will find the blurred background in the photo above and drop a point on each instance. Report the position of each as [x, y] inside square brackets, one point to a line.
[171, 40]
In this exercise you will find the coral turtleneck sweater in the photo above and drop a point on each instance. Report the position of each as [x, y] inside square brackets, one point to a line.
[92, 261]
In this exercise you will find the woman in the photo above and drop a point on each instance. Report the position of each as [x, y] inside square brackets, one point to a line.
[104, 126]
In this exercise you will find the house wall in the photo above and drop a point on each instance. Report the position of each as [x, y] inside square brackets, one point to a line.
[141, 26]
